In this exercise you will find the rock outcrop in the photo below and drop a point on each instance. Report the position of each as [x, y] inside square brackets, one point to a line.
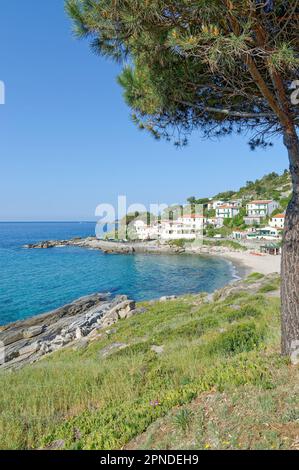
[106, 246]
[248, 285]
[27, 341]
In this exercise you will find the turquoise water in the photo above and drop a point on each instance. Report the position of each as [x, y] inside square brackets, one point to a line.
[36, 281]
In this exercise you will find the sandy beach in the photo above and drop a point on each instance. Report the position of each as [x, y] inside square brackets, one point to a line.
[251, 262]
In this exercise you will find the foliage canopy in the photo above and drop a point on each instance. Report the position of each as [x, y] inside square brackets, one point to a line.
[214, 65]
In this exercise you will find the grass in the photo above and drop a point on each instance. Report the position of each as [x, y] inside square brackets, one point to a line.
[182, 419]
[246, 417]
[76, 399]
[253, 277]
[269, 288]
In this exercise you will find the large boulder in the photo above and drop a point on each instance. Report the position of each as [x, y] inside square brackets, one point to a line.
[33, 331]
[30, 349]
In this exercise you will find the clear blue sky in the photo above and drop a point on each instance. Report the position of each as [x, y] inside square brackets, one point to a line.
[66, 139]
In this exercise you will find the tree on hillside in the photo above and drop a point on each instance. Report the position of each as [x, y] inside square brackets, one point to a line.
[191, 200]
[203, 200]
[225, 196]
[219, 66]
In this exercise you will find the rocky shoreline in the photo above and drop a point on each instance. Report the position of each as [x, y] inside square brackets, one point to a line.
[151, 247]
[108, 246]
[77, 323]
[86, 320]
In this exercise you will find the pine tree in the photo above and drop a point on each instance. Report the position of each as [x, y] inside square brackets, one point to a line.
[217, 66]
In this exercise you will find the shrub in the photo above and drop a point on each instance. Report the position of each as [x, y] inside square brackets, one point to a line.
[236, 297]
[245, 311]
[268, 288]
[182, 419]
[255, 276]
[180, 243]
[239, 338]
[191, 329]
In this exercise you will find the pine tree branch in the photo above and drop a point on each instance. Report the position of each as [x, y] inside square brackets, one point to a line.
[256, 75]
[228, 112]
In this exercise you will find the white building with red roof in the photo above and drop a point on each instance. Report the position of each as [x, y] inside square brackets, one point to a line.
[213, 204]
[186, 227]
[193, 221]
[277, 221]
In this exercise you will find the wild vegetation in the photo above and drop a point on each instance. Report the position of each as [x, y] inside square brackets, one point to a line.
[210, 355]
[270, 186]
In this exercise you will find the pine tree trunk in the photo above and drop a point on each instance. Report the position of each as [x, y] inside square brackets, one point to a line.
[290, 256]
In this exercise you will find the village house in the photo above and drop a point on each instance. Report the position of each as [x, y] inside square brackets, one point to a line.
[265, 233]
[235, 203]
[190, 226]
[252, 220]
[187, 227]
[277, 221]
[214, 204]
[192, 221]
[146, 232]
[239, 234]
[261, 208]
[227, 211]
[242, 234]
[214, 222]
[176, 231]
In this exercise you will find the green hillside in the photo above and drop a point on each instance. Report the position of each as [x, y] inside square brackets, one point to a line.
[271, 186]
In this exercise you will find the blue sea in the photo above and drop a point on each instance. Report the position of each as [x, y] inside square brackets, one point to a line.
[36, 281]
